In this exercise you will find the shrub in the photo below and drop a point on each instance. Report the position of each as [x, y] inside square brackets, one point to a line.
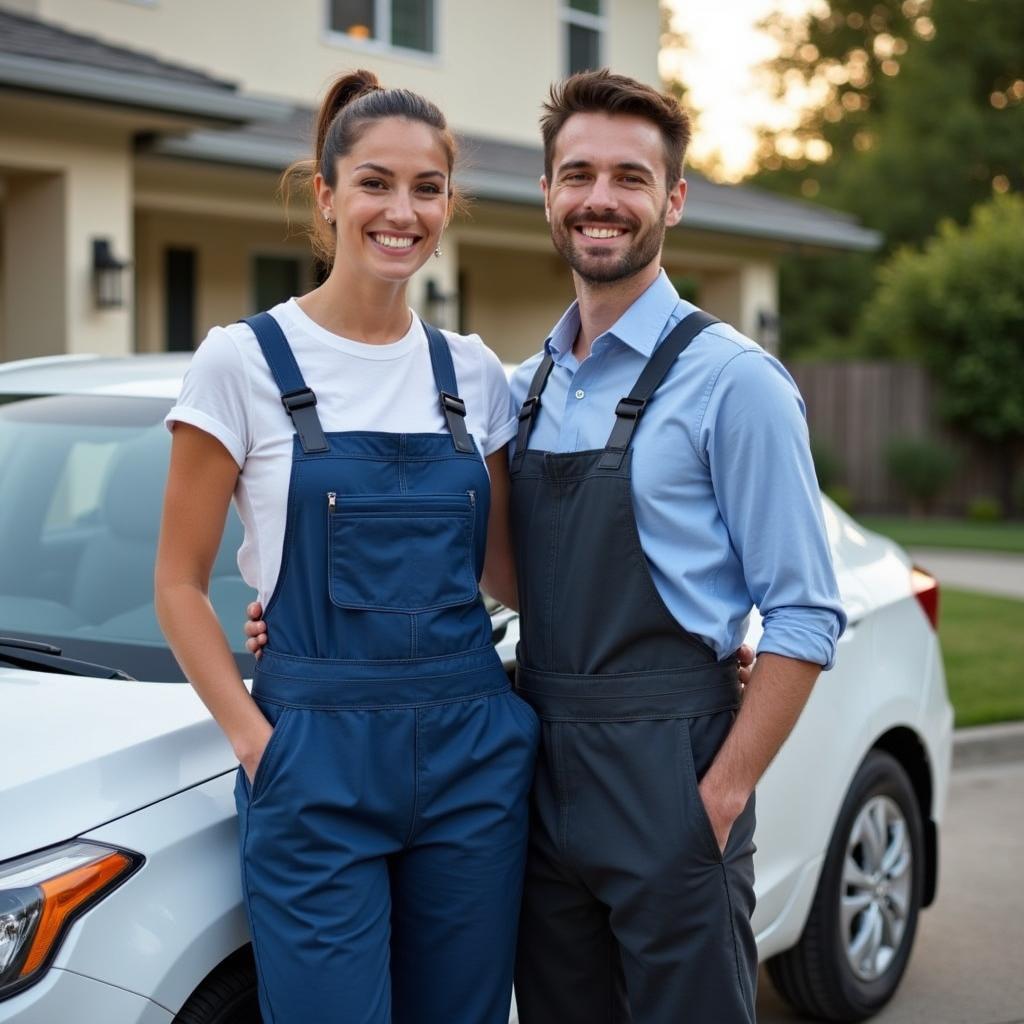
[921, 469]
[985, 509]
[842, 496]
[958, 306]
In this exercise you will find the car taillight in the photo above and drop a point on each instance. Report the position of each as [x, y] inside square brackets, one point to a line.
[926, 590]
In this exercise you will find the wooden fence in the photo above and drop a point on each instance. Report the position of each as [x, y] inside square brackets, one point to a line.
[857, 408]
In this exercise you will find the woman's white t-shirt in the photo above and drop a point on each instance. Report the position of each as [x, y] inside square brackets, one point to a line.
[228, 391]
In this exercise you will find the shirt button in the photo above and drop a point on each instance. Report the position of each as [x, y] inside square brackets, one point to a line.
[581, 393]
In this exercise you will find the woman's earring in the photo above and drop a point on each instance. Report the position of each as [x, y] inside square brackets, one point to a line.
[327, 216]
[437, 252]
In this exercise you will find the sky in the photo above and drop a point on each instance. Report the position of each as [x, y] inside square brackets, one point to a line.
[725, 48]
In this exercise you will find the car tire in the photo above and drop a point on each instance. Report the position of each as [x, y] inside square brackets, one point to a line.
[860, 929]
[226, 996]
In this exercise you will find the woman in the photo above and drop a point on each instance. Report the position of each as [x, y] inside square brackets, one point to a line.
[384, 760]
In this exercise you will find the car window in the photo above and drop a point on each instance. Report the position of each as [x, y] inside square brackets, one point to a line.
[78, 545]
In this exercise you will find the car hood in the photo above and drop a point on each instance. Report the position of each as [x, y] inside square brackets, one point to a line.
[79, 752]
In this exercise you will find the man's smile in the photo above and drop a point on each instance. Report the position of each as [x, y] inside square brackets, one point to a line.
[589, 231]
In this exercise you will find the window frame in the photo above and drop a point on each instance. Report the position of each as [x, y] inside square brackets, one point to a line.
[382, 15]
[583, 19]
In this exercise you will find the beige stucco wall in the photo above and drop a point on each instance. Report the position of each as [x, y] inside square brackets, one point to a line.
[494, 63]
[633, 39]
[225, 249]
[228, 215]
[513, 298]
[35, 299]
[65, 186]
[737, 279]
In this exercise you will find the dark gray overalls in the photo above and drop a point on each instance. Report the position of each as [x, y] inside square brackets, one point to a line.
[630, 911]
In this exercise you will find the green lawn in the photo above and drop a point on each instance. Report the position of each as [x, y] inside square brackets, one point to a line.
[983, 645]
[949, 533]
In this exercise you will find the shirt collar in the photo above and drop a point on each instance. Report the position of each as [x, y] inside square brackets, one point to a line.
[640, 327]
[563, 336]
[643, 324]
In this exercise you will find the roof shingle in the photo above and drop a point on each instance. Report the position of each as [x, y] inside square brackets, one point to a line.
[23, 36]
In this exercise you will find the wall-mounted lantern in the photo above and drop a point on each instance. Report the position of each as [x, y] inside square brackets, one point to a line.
[768, 325]
[441, 307]
[108, 275]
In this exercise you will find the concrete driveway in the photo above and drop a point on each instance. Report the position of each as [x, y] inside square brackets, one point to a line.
[968, 962]
[981, 571]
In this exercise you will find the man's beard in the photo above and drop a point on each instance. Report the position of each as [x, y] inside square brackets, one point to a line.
[606, 267]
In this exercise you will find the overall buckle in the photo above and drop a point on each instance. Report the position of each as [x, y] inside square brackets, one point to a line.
[452, 403]
[301, 399]
[530, 406]
[630, 408]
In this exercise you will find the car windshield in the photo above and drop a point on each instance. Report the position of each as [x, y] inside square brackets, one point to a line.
[82, 479]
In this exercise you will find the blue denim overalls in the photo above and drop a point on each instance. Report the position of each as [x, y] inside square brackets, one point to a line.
[384, 833]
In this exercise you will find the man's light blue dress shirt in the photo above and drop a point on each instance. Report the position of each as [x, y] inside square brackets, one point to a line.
[726, 499]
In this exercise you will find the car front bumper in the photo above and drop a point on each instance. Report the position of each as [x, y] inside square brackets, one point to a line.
[63, 997]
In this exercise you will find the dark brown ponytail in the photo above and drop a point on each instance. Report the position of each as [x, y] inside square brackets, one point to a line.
[345, 89]
[353, 101]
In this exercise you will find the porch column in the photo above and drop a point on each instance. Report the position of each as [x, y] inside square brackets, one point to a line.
[60, 196]
[759, 304]
[35, 285]
[747, 296]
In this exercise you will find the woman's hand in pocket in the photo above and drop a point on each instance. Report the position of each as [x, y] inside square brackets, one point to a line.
[250, 751]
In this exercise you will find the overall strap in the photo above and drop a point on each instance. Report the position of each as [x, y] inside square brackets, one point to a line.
[531, 404]
[631, 408]
[454, 408]
[296, 397]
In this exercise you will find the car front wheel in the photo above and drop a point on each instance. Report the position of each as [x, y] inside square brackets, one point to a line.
[860, 930]
[226, 996]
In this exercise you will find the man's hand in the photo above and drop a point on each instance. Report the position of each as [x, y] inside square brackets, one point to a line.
[256, 629]
[745, 655]
[772, 702]
[721, 814]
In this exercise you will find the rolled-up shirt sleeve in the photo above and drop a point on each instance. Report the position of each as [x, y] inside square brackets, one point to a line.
[753, 435]
[215, 395]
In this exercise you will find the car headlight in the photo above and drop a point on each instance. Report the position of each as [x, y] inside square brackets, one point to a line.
[40, 897]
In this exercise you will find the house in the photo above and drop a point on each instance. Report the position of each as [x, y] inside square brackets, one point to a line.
[141, 144]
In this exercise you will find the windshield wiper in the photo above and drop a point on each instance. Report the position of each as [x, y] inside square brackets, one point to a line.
[47, 658]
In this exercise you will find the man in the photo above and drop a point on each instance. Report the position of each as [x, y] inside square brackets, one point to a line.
[662, 485]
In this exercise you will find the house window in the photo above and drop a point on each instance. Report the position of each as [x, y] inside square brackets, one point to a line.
[584, 22]
[408, 24]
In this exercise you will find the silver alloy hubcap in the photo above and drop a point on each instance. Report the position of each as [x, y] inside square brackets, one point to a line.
[874, 895]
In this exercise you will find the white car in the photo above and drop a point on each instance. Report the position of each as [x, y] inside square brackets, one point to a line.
[119, 886]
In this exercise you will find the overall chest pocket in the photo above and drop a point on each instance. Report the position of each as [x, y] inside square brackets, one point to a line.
[401, 553]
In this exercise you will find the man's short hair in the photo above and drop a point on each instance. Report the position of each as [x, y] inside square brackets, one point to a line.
[602, 92]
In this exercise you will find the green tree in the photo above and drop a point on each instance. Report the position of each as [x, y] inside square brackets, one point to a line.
[919, 115]
[958, 306]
